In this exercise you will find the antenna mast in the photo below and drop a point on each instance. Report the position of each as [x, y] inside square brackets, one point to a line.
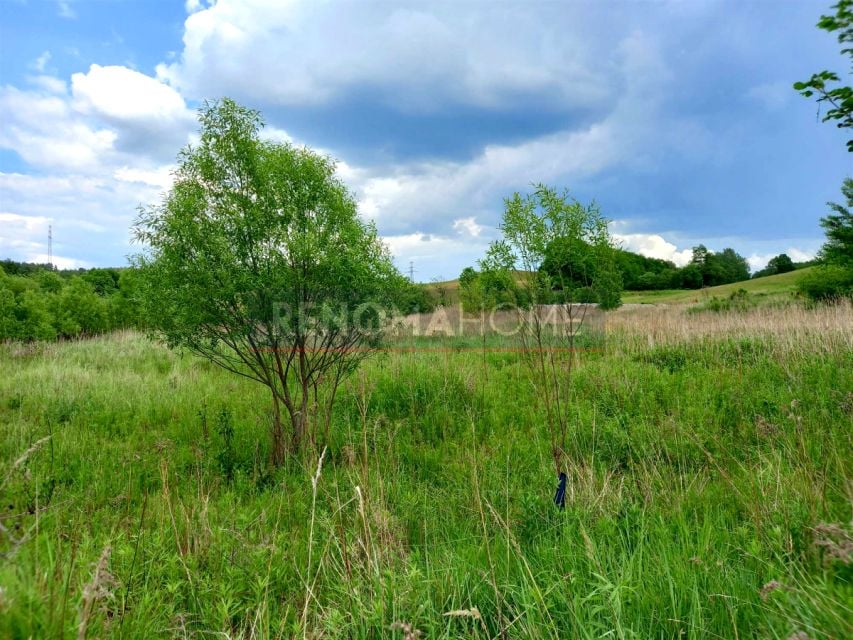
[412, 270]
[50, 245]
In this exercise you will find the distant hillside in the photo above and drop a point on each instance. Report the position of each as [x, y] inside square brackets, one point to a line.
[449, 289]
[776, 286]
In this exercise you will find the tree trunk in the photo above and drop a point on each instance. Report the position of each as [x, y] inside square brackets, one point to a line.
[297, 419]
[277, 453]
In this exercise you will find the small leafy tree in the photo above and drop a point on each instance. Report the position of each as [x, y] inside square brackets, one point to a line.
[34, 317]
[719, 268]
[839, 98]
[691, 277]
[838, 248]
[470, 290]
[257, 260]
[8, 318]
[531, 224]
[781, 263]
[80, 310]
[833, 278]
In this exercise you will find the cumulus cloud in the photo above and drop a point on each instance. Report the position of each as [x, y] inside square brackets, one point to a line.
[43, 130]
[21, 236]
[758, 261]
[110, 112]
[653, 245]
[319, 51]
[439, 193]
[148, 116]
[432, 255]
[100, 142]
[468, 226]
[125, 95]
[102, 146]
[91, 215]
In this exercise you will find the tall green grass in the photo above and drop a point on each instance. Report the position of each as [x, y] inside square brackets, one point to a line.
[137, 500]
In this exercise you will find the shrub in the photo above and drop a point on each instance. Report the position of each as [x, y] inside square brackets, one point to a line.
[827, 282]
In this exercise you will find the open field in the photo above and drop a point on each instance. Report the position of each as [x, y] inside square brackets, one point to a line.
[709, 494]
[779, 287]
[769, 288]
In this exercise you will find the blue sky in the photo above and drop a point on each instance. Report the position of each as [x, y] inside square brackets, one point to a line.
[678, 118]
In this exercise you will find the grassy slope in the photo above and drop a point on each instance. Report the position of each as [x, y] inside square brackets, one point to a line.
[771, 287]
[775, 287]
[696, 479]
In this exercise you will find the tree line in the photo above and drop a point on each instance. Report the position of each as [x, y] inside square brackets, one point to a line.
[40, 303]
[576, 269]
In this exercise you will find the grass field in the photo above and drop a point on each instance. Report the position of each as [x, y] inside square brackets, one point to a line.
[769, 288]
[709, 491]
[778, 287]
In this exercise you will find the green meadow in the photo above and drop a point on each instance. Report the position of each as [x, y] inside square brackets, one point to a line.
[776, 288]
[709, 493]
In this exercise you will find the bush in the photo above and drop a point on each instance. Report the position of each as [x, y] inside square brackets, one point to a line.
[739, 300]
[827, 282]
[42, 304]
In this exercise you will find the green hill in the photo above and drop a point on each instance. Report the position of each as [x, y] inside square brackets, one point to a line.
[771, 287]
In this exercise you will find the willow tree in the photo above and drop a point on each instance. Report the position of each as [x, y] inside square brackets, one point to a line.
[551, 315]
[257, 260]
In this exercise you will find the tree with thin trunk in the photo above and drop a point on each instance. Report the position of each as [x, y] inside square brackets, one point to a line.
[257, 260]
[550, 316]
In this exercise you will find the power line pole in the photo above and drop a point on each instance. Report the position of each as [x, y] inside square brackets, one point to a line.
[411, 270]
[50, 245]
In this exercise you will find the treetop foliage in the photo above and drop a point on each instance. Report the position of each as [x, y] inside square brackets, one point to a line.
[838, 225]
[833, 278]
[38, 303]
[839, 98]
[258, 261]
[536, 228]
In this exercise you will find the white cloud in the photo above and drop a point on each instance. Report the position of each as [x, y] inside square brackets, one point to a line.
[435, 255]
[13, 221]
[149, 117]
[274, 134]
[319, 51]
[25, 237]
[60, 262]
[758, 261]
[65, 10]
[49, 84]
[40, 63]
[652, 245]
[160, 177]
[798, 255]
[468, 226]
[403, 196]
[113, 116]
[443, 192]
[43, 130]
[91, 215]
[122, 94]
